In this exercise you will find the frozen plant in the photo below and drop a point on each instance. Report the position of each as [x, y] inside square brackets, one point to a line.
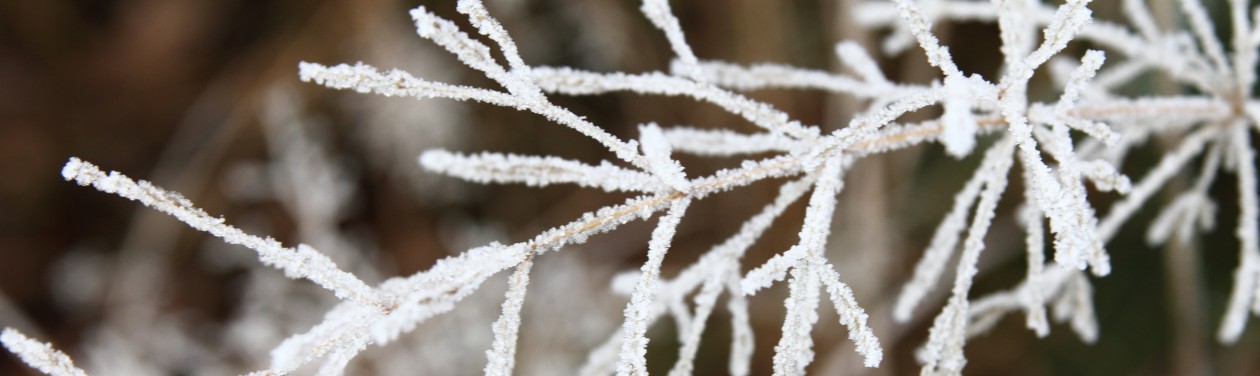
[1060, 148]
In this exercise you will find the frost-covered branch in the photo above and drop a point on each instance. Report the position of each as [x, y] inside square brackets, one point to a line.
[302, 262]
[41, 356]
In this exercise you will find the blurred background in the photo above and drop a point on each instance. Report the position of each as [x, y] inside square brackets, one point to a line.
[202, 97]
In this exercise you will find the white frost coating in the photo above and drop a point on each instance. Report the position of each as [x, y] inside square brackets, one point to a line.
[1255, 32]
[741, 330]
[1073, 241]
[1015, 30]
[661, 16]
[813, 234]
[602, 360]
[570, 81]
[1116, 75]
[866, 126]
[725, 143]
[38, 355]
[721, 265]
[1090, 63]
[1205, 31]
[897, 136]
[1172, 54]
[501, 357]
[517, 80]
[762, 76]
[1253, 108]
[534, 171]
[436, 291]
[336, 361]
[348, 328]
[959, 134]
[773, 270]
[633, 357]
[303, 262]
[1030, 296]
[1068, 20]
[943, 354]
[921, 29]
[1245, 55]
[884, 115]
[1080, 239]
[488, 26]
[927, 272]
[1071, 217]
[1186, 108]
[795, 349]
[1190, 208]
[1036, 254]
[1247, 276]
[851, 314]
[1140, 16]
[1076, 306]
[364, 78]
[470, 51]
[344, 327]
[705, 301]
[1168, 167]
[1105, 176]
[1076, 85]
[1181, 217]
[853, 55]
[656, 150]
